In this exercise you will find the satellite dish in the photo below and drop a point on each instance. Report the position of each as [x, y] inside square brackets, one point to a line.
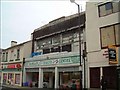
[72, 1]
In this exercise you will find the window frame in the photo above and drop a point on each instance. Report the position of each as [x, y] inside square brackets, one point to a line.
[3, 57]
[18, 53]
[112, 8]
[6, 56]
[102, 47]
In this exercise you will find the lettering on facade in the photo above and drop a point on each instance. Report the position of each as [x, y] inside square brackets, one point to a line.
[66, 60]
[12, 66]
[56, 61]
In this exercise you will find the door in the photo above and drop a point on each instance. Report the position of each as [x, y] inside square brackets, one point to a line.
[110, 74]
[95, 77]
[118, 79]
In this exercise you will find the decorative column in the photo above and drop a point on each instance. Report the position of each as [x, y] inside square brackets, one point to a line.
[56, 77]
[24, 75]
[40, 78]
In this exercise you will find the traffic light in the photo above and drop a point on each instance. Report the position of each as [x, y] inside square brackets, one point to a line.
[112, 52]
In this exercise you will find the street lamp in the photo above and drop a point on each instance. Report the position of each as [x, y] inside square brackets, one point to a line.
[73, 1]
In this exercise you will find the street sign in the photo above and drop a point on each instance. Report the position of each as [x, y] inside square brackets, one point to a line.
[112, 52]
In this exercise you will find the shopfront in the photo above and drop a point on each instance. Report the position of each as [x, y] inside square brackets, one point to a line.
[12, 74]
[53, 72]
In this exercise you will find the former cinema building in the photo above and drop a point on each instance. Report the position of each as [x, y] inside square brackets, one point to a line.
[55, 51]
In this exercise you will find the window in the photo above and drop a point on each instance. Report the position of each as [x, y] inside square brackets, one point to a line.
[117, 33]
[67, 37]
[116, 6]
[3, 57]
[17, 78]
[56, 40]
[107, 35]
[12, 55]
[76, 36]
[55, 49]
[44, 43]
[18, 53]
[110, 35]
[6, 56]
[108, 8]
[102, 11]
[10, 78]
[45, 51]
[66, 48]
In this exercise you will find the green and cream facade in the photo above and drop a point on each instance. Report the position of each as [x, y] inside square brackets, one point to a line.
[58, 49]
[54, 68]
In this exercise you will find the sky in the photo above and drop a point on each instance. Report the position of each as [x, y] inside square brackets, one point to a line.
[20, 18]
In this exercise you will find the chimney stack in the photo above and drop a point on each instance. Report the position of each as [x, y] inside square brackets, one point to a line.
[13, 43]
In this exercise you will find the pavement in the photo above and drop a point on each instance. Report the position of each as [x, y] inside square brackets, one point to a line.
[9, 87]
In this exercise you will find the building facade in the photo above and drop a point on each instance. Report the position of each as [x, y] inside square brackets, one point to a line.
[13, 62]
[102, 19]
[55, 51]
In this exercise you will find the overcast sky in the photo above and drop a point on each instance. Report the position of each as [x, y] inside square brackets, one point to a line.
[20, 18]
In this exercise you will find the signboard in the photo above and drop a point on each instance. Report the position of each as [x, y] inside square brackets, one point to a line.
[112, 52]
[36, 53]
[12, 66]
[60, 61]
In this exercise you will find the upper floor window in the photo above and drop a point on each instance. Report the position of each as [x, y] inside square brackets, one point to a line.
[67, 48]
[116, 6]
[3, 57]
[18, 53]
[108, 8]
[6, 56]
[117, 33]
[44, 43]
[12, 55]
[56, 40]
[55, 49]
[110, 35]
[67, 37]
[45, 51]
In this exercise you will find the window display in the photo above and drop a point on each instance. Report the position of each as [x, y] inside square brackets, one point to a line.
[17, 78]
[4, 78]
[10, 78]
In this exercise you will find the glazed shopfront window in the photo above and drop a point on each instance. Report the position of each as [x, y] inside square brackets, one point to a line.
[4, 78]
[10, 78]
[68, 77]
[17, 78]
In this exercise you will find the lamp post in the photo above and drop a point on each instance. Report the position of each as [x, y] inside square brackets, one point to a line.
[73, 1]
